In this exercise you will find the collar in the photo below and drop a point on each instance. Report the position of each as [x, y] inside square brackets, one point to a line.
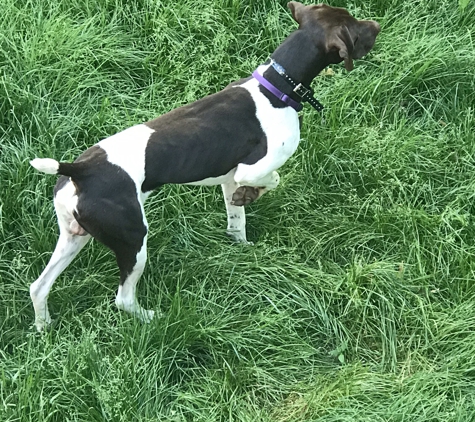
[305, 93]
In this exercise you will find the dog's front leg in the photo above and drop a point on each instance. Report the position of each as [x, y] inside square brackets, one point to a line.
[249, 190]
[236, 215]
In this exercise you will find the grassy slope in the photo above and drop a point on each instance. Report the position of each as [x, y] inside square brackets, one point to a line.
[357, 302]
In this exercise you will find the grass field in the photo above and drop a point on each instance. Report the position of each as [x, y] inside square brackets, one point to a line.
[357, 300]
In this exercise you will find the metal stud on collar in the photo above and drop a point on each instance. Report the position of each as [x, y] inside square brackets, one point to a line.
[305, 93]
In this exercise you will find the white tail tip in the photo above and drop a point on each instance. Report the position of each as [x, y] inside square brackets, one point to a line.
[46, 165]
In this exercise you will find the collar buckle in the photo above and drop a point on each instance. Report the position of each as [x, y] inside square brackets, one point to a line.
[302, 91]
[305, 93]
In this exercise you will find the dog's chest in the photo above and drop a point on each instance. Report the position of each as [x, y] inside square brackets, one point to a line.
[280, 125]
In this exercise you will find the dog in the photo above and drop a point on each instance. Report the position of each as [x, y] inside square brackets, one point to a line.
[237, 137]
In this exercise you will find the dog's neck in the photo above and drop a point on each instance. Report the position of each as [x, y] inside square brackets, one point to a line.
[300, 57]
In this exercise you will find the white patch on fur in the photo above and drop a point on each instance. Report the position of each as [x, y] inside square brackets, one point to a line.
[65, 203]
[281, 127]
[45, 165]
[126, 149]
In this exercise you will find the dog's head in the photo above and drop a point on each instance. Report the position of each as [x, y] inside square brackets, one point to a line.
[340, 35]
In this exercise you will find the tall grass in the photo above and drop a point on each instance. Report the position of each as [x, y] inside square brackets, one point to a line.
[357, 301]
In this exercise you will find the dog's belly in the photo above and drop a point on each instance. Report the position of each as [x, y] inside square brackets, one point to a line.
[213, 181]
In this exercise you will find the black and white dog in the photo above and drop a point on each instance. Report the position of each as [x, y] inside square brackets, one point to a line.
[237, 138]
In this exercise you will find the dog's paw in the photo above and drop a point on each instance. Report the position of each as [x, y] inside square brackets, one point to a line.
[146, 315]
[245, 195]
[238, 237]
[42, 323]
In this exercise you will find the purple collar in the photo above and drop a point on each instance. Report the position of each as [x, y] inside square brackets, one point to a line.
[277, 92]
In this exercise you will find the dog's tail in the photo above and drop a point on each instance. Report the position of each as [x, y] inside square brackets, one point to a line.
[46, 165]
[50, 166]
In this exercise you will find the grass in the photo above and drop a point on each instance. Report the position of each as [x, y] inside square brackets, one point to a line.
[357, 301]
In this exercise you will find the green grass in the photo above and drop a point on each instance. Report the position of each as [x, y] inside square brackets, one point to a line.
[357, 301]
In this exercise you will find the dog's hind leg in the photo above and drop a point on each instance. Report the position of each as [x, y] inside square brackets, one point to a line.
[236, 215]
[116, 218]
[67, 248]
[71, 240]
[126, 298]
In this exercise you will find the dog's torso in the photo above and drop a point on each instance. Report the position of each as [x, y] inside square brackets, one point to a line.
[204, 142]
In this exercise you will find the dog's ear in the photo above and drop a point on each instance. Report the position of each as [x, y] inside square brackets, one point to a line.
[297, 10]
[343, 42]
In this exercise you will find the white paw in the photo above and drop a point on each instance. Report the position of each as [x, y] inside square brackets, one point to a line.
[42, 323]
[146, 315]
[238, 237]
[275, 181]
